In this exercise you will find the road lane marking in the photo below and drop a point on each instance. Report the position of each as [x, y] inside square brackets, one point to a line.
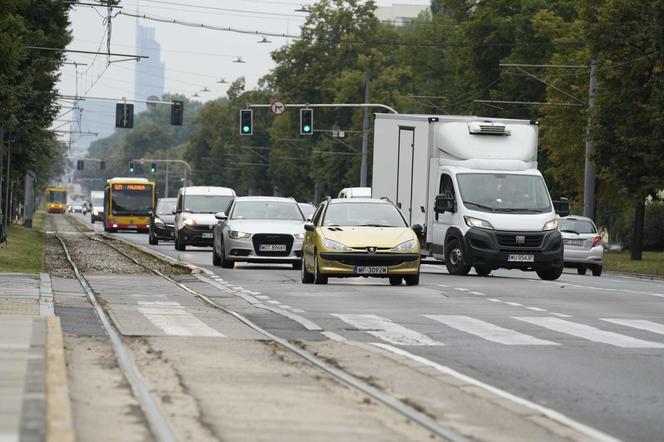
[461, 289]
[642, 324]
[386, 330]
[536, 309]
[174, 320]
[514, 304]
[549, 413]
[560, 315]
[472, 292]
[494, 300]
[488, 331]
[588, 332]
[272, 301]
[606, 289]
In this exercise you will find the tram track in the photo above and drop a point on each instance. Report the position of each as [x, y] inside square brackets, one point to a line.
[159, 425]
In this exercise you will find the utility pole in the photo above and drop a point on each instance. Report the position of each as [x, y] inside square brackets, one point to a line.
[589, 174]
[168, 157]
[365, 133]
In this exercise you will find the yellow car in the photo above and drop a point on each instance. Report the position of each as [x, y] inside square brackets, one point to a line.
[360, 237]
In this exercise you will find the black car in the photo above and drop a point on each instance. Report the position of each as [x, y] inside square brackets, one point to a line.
[161, 221]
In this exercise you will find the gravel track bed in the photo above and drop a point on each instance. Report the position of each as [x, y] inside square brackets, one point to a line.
[55, 261]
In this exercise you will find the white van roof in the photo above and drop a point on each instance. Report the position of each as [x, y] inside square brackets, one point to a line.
[207, 190]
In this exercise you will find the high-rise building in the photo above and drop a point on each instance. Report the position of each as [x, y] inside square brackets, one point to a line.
[149, 72]
[399, 14]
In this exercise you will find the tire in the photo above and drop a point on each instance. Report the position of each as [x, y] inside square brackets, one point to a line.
[318, 277]
[223, 262]
[216, 261]
[581, 270]
[454, 259]
[396, 280]
[152, 240]
[297, 265]
[483, 270]
[597, 270]
[550, 274]
[412, 279]
[178, 244]
[307, 278]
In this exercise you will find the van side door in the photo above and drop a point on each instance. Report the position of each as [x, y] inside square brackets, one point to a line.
[443, 219]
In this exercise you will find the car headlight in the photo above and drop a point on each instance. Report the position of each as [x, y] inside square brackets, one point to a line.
[159, 222]
[408, 245]
[299, 235]
[552, 225]
[236, 234]
[189, 221]
[476, 222]
[335, 245]
[95, 213]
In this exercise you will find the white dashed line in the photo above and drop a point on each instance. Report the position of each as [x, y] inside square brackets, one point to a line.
[536, 309]
[514, 304]
[561, 315]
[472, 292]
[494, 300]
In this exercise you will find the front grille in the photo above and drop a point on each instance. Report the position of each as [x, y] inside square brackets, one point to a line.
[530, 241]
[201, 227]
[271, 238]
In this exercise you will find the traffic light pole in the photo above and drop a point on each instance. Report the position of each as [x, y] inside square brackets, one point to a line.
[187, 167]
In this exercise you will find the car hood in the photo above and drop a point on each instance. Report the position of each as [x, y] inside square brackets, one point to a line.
[167, 218]
[360, 237]
[266, 226]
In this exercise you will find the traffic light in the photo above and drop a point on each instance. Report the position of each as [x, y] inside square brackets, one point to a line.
[153, 167]
[306, 121]
[132, 169]
[102, 164]
[80, 165]
[177, 113]
[246, 122]
[124, 115]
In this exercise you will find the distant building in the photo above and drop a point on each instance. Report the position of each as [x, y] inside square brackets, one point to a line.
[149, 73]
[399, 14]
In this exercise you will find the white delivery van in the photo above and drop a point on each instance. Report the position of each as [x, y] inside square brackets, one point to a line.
[194, 214]
[97, 203]
[471, 187]
[355, 192]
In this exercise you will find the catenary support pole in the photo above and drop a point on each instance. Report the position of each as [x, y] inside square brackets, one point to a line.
[589, 168]
[365, 134]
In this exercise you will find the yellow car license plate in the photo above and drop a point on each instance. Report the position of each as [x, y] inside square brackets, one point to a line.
[371, 270]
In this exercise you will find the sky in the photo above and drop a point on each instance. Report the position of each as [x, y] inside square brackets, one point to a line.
[195, 58]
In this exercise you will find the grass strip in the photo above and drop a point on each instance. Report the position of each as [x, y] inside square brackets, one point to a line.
[24, 250]
[651, 264]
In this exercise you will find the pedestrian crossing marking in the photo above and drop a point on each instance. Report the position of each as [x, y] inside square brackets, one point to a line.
[488, 331]
[642, 324]
[386, 330]
[588, 332]
[174, 320]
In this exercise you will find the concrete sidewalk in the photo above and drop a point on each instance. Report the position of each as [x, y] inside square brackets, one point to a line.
[32, 369]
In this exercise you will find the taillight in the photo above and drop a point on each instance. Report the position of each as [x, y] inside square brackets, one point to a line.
[597, 240]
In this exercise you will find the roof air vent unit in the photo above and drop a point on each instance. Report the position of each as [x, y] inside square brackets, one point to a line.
[488, 128]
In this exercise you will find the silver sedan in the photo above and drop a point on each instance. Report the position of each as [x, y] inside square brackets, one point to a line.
[583, 245]
[259, 229]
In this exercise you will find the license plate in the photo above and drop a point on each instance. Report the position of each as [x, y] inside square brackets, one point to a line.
[207, 235]
[371, 270]
[573, 242]
[272, 248]
[131, 226]
[520, 257]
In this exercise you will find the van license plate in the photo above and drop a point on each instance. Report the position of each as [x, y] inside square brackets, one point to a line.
[206, 235]
[272, 248]
[521, 257]
[371, 270]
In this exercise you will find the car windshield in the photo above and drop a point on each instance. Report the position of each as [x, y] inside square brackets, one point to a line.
[267, 210]
[166, 207]
[207, 203]
[498, 192]
[363, 214]
[307, 210]
[577, 226]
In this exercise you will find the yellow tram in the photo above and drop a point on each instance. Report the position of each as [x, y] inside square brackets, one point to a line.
[56, 199]
[128, 203]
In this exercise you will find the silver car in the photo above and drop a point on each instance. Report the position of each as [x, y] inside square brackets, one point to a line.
[583, 245]
[259, 229]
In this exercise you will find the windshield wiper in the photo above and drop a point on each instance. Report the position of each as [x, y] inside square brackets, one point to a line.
[374, 225]
[570, 231]
[481, 206]
[511, 209]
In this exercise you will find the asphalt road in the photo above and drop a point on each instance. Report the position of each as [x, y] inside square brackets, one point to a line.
[589, 347]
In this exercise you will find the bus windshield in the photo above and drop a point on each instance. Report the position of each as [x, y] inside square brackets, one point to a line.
[130, 199]
[56, 197]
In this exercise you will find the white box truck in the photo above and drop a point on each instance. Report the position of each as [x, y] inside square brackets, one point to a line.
[471, 188]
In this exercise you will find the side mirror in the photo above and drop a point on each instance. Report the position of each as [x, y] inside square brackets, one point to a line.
[174, 212]
[444, 204]
[221, 216]
[561, 206]
[418, 229]
[150, 212]
[309, 218]
[309, 227]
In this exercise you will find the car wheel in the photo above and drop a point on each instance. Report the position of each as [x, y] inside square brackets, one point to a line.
[412, 279]
[152, 239]
[307, 278]
[297, 265]
[396, 280]
[216, 261]
[581, 270]
[454, 259]
[318, 277]
[179, 245]
[597, 270]
[550, 274]
[483, 270]
[223, 261]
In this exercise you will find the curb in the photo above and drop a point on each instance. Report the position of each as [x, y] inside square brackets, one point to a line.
[59, 422]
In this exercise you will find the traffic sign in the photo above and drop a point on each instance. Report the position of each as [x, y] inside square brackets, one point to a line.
[277, 108]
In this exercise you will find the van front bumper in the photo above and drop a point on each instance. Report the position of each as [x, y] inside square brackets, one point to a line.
[498, 249]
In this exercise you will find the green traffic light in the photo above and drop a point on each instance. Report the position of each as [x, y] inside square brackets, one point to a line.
[306, 128]
[131, 170]
[245, 129]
